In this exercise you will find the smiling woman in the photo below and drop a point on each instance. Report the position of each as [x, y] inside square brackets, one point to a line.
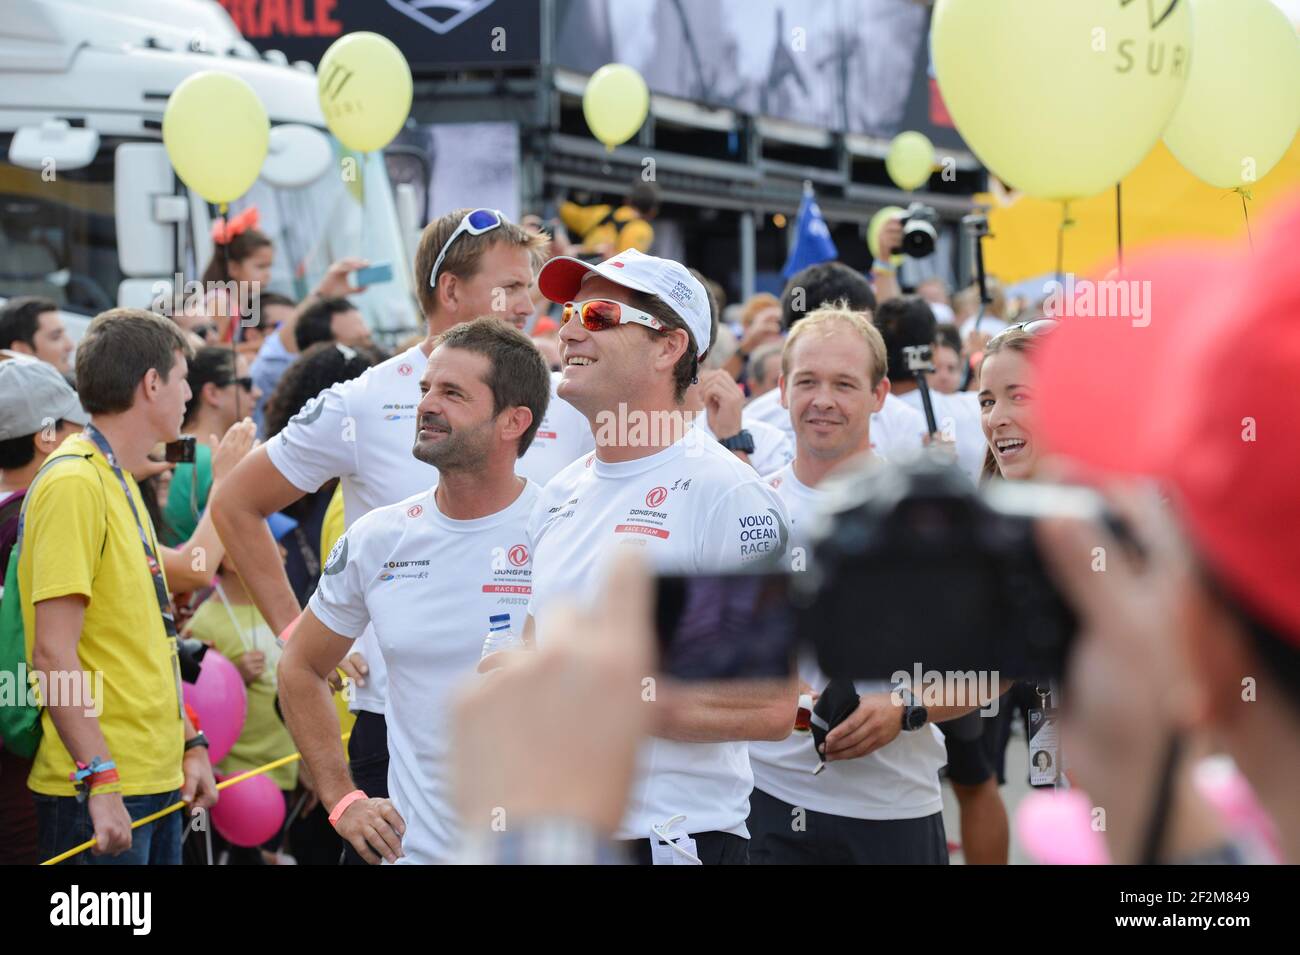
[1006, 405]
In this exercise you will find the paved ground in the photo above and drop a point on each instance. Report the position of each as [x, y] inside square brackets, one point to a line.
[1017, 788]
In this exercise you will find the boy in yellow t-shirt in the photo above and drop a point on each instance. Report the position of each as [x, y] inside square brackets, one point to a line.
[97, 615]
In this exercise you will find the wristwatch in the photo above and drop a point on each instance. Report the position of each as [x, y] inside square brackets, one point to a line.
[198, 739]
[914, 717]
[742, 440]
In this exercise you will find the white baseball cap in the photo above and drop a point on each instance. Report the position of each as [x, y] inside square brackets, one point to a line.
[561, 279]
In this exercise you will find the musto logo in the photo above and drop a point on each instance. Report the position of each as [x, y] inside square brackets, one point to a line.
[519, 555]
[656, 496]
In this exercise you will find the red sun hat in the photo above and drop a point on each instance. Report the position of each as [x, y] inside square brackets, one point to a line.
[1206, 397]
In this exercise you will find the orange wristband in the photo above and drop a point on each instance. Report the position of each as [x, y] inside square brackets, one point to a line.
[341, 806]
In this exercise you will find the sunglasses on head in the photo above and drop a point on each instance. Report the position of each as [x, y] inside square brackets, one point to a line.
[1037, 327]
[476, 222]
[598, 314]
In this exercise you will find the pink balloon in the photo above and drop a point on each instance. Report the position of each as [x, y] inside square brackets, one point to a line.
[220, 700]
[1055, 828]
[249, 812]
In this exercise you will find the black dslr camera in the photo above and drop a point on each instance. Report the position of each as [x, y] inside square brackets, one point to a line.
[920, 230]
[911, 568]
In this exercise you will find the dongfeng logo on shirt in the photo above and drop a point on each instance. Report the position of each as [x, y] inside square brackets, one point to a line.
[656, 496]
[415, 510]
[518, 555]
[404, 369]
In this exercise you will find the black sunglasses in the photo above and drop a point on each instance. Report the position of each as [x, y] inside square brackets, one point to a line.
[246, 383]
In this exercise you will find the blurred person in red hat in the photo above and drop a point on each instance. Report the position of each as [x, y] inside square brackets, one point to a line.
[1200, 638]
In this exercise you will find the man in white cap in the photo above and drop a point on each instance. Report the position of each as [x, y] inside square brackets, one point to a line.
[635, 327]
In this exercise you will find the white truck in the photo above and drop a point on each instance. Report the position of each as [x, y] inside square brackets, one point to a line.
[91, 213]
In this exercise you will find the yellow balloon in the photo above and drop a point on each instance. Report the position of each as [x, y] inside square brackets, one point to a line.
[615, 103]
[1241, 108]
[910, 160]
[875, 225]
[364, 84]
[1061, 98]
[216, 132]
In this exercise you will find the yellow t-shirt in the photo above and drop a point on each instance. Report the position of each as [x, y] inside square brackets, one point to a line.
[264, 737]
[627, 231]
[80, 538]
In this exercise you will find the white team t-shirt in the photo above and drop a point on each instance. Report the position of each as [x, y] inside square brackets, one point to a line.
[563, 436]
[773, 449]
[898, 781]
[961, 412]
[897, 431]
[362, 431]
[428, 587]
[692, 507]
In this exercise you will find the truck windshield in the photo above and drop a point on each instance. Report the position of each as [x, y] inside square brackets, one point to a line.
[57, 234]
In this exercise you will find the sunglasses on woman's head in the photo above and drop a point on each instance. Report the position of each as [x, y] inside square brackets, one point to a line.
[599, 314]
[1037, 327]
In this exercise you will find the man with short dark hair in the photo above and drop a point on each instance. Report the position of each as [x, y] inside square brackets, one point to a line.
[635, 327]
[470, 263]
[95, 602]
[331, 320]
[32, 326]
[432, 574]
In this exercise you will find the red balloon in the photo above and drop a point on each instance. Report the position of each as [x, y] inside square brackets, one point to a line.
[1110, 385]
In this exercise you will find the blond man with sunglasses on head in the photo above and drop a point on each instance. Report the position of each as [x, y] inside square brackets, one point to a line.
[635, 327]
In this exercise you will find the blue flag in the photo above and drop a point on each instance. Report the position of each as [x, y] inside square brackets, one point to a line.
[812, 239]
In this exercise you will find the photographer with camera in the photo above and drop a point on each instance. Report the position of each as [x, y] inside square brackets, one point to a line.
[877, 801]
[1201, 636]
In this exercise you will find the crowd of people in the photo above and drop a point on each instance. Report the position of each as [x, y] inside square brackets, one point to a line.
[431, 567]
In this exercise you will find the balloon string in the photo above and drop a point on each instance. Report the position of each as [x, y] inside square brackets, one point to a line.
[1066, 222]
[1119, 223]
[1245, 210]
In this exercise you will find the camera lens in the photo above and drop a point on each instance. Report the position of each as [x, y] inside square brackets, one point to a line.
[919, 238]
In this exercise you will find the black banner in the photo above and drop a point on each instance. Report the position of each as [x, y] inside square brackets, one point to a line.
[432, 36]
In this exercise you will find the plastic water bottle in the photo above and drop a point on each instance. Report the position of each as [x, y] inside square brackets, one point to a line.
[500, 636]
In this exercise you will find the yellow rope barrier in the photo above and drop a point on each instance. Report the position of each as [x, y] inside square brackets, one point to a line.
[152, 817]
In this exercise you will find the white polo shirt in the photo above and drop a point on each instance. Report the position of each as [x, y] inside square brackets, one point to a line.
[692, 507]
[897, 781]
[362, 431]
[427, 587]
[897, 430]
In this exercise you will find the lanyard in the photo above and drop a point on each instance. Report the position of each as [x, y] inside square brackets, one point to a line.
[155, 569]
